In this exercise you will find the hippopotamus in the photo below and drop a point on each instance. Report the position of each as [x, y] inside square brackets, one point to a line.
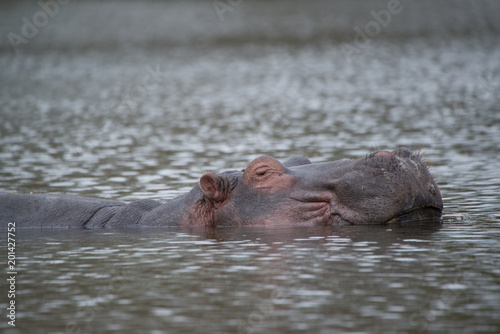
[381, 188]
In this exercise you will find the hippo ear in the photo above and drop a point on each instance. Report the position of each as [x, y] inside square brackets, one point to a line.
[212, 187]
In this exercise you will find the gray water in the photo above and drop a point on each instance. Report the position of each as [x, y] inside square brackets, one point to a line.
[81, 113]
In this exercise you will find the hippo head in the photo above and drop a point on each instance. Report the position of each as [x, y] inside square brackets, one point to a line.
[383, 187]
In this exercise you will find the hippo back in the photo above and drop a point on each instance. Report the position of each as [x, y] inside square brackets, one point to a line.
[55, 210]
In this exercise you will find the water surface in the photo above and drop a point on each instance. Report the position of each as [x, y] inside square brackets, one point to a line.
[133, 100]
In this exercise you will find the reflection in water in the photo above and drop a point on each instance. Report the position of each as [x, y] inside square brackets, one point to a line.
[134, 100]
[261, 279]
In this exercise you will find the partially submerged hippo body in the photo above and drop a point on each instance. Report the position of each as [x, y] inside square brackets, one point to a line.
[384, 187]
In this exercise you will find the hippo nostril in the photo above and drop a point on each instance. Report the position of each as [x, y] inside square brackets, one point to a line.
[383, 154]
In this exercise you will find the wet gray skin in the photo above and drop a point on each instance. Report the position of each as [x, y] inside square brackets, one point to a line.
[383, 187]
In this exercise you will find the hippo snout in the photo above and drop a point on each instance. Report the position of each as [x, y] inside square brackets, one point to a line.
[412, 185]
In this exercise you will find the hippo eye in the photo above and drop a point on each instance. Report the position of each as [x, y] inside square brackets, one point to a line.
[261, 171]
